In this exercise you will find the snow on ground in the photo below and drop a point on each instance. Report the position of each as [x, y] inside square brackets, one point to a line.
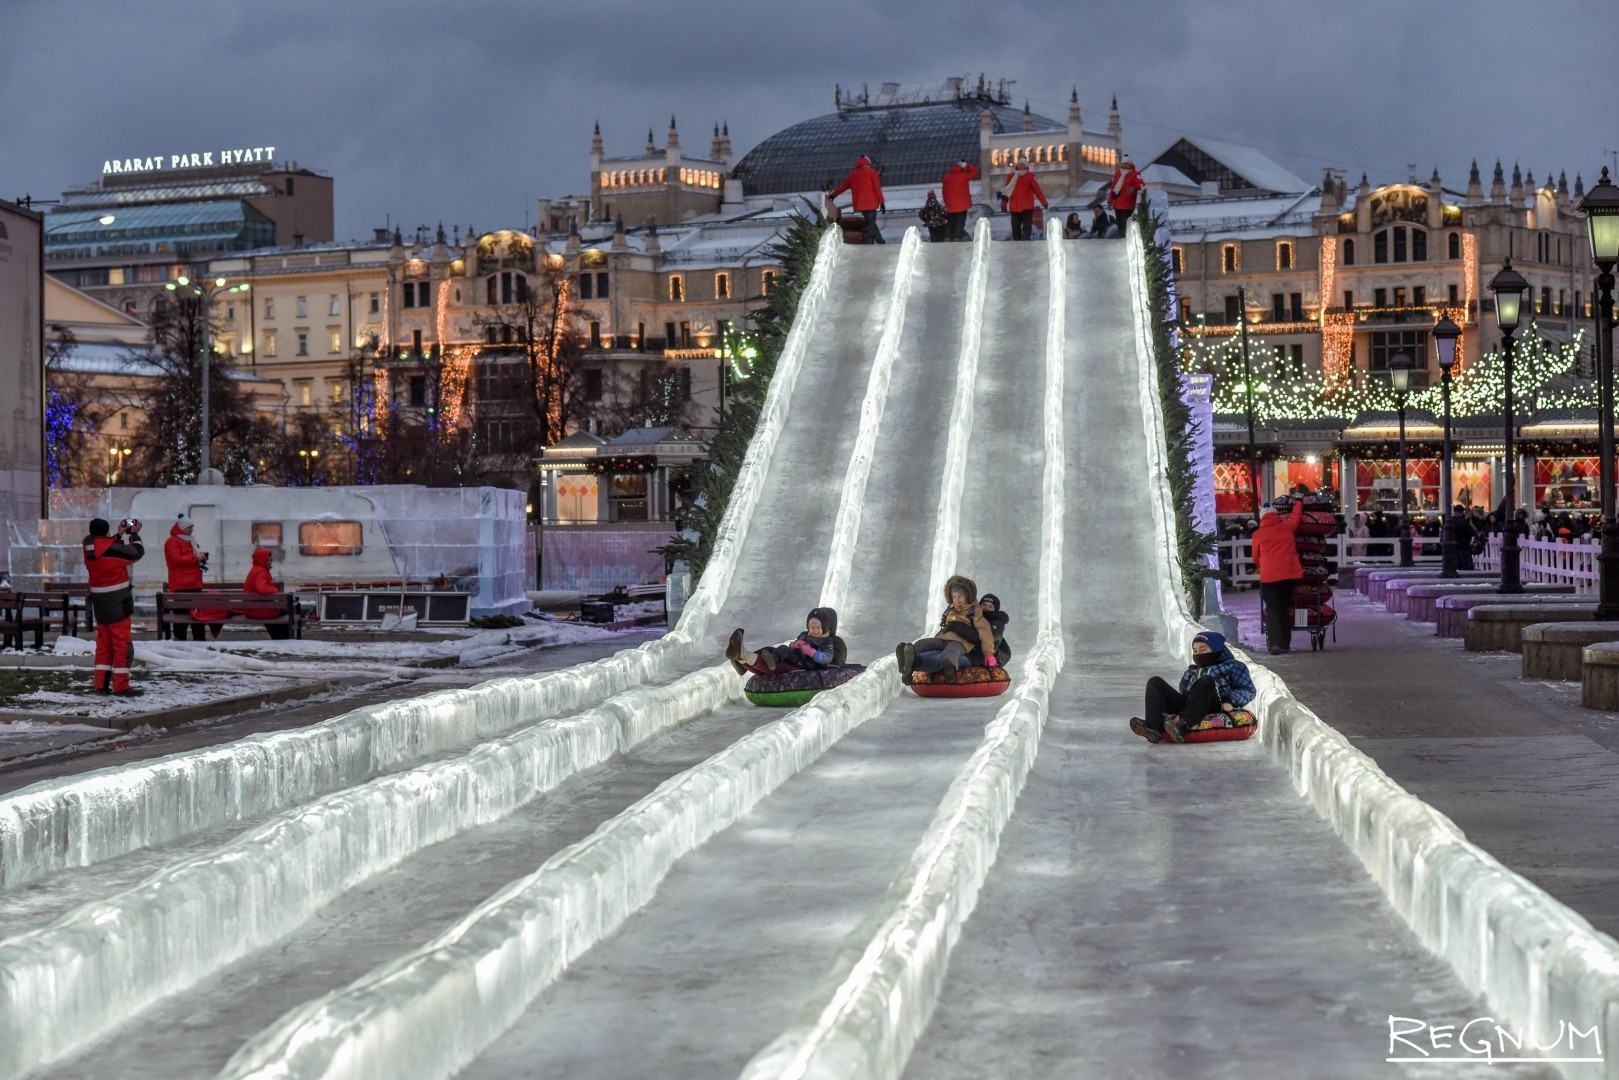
[159, 690]
[23, 737]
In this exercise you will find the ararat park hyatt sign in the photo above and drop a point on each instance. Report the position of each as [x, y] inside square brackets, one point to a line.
[188, 161]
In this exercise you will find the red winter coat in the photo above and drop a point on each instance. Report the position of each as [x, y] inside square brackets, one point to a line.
[1274, 550]
[958, 188]
[259, 581]
[1123, 191]
[112, 597]
[185, 570]
[1025, 193]
[863, 187]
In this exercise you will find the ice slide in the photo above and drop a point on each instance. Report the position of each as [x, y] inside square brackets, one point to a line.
[727, 890]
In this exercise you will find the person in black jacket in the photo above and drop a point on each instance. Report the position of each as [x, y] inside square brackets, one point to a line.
[990, 604]
[817, 647]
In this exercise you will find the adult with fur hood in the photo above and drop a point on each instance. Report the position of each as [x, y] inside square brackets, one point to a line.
[817, 647]
[963, 630]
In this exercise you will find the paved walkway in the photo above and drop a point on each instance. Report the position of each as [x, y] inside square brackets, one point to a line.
[1530, 775]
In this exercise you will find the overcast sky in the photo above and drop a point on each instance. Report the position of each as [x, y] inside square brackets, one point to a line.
[466, 111]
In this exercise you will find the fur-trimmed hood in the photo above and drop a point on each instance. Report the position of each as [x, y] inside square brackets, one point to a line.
[828, 617]
[966, 583]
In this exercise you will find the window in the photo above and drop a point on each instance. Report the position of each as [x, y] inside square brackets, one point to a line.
[1186, 310]
[683, 384]
[1177, 259]
[1414, 343]
[1562, 301]
[1233, 310]
[685, 335]
[722, 286]
[677, 289]
[1278, 308]
[500, 435]
[1454, 297]
[640, 335]
[1455, 245]
[289, 187]
[303, 344]
[587, 287]
[1419, 245]
[591, 384]
[1419, 295]
[424, 294]
[1380, 247]
[1349, 299]
[334, 391]
[304, 392]
[1296, 360]
[331, 304]
[490, 288]
[376, 303]
[595, 334]
[230, 312]
[303, 307]
[265, 533]
[767, 282]
[417, 391]
[269, 343]
[668, 335]
[1229, 259]
[1349, 253]
[1295, 305]
[601, 285]
[410, 295]
[1380, 298]
[1284, 256]
[1399, 296]
[337, 341]
[1399, 243]
[329, 538]
[123, 421]
[269, 307]
[1545, 305]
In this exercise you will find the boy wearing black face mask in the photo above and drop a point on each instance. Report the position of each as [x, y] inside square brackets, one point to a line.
[1216, 682]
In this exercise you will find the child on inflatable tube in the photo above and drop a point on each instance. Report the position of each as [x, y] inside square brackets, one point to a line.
[965, 637]
[1216, 682]
[817, 647]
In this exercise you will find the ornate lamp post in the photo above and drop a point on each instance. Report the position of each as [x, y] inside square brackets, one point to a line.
[1601, 210]
[1509, 287]
[203, 296]
[1445, 333]
[1400, 376]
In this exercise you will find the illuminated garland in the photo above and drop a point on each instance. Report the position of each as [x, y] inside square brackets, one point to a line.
[629, 464]
[1280, 394]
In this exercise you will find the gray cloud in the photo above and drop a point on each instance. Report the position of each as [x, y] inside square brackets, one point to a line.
[466, 111]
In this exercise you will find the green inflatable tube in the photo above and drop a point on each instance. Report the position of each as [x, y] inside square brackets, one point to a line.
[781, 699]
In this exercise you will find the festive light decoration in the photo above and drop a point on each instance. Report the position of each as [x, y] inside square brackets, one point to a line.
[1543, 374]
[628, 464]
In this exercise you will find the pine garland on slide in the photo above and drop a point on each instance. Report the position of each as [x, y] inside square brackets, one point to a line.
[1193, 548]
[795, 253]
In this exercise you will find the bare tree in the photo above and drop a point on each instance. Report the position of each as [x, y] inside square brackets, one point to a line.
[536, 331]
[72, 416]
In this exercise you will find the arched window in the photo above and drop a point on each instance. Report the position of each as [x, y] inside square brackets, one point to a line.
[1349, 253]
[1284, 255]
[1230, 261]
[722, 286]
[677, 289]
[1455, 245]
[1380, 247]
[1419, 245]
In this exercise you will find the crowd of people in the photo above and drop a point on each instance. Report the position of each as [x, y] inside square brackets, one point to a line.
[1019, 195]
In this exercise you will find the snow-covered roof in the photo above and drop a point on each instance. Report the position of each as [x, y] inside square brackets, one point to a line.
[105, 358]
[1254, 218]
[1252, 165]
[1166, 175]
[652, 436]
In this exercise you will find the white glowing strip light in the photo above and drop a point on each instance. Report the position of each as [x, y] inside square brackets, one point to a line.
[947, 532]
[872, 1005]
[847, 528]
[715, 584]
[1535, 961]
[102, 963]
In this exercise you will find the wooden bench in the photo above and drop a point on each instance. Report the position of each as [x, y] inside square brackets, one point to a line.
[78, 594]
[14, 622]
[175, 609]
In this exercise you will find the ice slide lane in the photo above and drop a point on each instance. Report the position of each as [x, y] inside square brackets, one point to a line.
[1163, 912]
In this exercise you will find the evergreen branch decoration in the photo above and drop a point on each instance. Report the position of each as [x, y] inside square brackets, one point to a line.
[752, 357]
[1192, 548]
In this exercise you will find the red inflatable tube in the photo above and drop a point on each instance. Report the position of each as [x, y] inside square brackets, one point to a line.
[1222, 727]
[961, 690]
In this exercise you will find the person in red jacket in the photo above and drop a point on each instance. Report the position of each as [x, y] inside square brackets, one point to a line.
[958, 198]
[186, 565]
[107, 557]
[1025, 193]
[1123, 192]
[259, 581]
[1277, 557]
[865, 190]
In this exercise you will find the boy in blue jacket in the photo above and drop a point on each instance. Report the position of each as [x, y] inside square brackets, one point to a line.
[1216, 682]
[817, 647]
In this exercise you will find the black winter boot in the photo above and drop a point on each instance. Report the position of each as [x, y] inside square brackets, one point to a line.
[905, 653]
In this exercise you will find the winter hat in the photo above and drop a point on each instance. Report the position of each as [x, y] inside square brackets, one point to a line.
[100, 527]
[1215, 642]
[184, 522]
[862, 160]
[828, 617]
[990, 598]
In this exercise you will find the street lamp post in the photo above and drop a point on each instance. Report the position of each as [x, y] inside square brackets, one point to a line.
[1248, 394]
[1445, 333]
[1508, 286]
[1601, 210]
[203, 297]
[1400, 377]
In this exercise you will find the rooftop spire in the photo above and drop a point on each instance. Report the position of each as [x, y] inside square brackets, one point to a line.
[1472, 176]
[1073, 95]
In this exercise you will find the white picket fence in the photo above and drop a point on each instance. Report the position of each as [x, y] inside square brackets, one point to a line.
[1540, 560]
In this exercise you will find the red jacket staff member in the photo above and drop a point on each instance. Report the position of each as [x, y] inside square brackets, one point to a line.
[866, 192]
[1123, 192]
[112, 598]
[1025, 193]
[958, 198]
[1279, 571]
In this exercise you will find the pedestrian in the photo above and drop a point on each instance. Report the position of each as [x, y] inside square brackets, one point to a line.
[186, 565]
[107, 556]
[958, 198]
[934, 219]
[1099, 222]
[259, 581]
[1025, 193]
[1279, 571]
[1215, 682]
[1462, 536]
[1123, 192]
[865, 190]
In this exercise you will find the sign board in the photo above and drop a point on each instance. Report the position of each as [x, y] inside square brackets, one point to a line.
[207, 159]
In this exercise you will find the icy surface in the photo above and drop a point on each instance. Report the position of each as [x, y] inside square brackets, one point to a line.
[99, 965]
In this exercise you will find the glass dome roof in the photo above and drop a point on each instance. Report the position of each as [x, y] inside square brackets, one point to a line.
[909, 144]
